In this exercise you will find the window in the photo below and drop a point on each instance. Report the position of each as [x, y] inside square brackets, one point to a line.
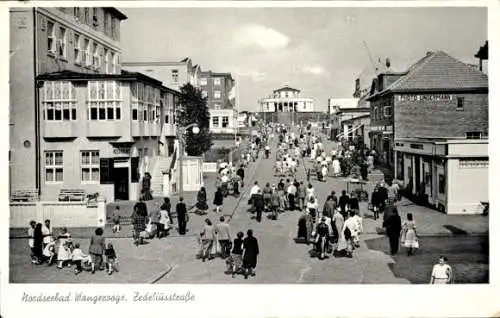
[76, 13]
[387, 111]
[217, 106]
[87, 15]
[225, 121]
[442, 184]
[58, 101]
[167, 119]
[104, 100]
[54, 166]
[86, 52]
[216, 94]
[460, 103]
[89, 165]
[95, 20]
[96, 58]
[217, 81]
[175, 76]
[204, 93]
[106, 23]
[375, 113]
[78, 50]
[51, 38]
[473, 135]
[215, 121]
[116, 62]
[106, 61]
[61, 43]
[114, 28]
[203, 81]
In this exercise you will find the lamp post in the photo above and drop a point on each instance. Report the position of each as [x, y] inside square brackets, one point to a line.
[181, 131]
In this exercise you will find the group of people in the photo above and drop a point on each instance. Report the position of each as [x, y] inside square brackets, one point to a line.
[47, 248]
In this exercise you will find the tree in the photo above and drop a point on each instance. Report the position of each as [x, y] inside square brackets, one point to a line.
[193, 109]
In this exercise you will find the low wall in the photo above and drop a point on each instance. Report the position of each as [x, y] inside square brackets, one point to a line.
[60, 214]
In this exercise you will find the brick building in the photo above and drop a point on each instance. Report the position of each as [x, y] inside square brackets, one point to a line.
[45, 40]
[438, 97]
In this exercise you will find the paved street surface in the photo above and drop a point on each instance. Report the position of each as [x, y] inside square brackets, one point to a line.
[281, 260]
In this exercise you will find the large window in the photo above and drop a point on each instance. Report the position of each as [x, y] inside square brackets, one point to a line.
[58, 101]
[225, 121]
[89, 166]
[387, 111]
[51, 38]
[77, 48]
[217, 81]
[175, 76]
[61, 43]
[86, 52]
[54, 166]
[203, 81]
[116, 63]
[146, 103]
[96, 59]
[215, 121]
[104, 100]
[106, 61]
[216, 94]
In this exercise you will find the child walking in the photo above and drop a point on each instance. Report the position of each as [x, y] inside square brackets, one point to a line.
[111, 259]
[78, 257]
[115, 218]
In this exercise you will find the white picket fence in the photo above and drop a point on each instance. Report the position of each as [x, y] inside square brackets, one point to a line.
[60, 214]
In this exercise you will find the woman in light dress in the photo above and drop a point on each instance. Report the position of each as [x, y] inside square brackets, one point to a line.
[442, 272]
[336, 167]
[409, 234]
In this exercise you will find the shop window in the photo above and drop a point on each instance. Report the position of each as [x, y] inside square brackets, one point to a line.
[89, 165]
[442, 184]
[54, 166]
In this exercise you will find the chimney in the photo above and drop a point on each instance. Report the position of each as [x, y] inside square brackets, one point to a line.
[357, 89]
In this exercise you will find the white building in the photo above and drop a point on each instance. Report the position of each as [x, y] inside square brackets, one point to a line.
[223, 121]
[451, 174]
[286, 99]
[335, 104]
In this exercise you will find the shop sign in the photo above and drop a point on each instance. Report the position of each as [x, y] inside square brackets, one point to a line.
[121, 151]
[425, 98]
[381, 128]
[473, 163]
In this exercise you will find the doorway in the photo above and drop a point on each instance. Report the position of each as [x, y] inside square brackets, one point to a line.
[120, 179]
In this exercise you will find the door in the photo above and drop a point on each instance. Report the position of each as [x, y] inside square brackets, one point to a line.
[418, 180]
[120, 179]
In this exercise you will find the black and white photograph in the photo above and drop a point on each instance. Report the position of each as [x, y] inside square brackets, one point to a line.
[232, 144]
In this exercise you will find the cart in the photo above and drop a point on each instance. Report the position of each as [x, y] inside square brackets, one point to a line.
[356, 188]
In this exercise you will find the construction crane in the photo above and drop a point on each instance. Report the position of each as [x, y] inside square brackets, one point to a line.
[375, 68]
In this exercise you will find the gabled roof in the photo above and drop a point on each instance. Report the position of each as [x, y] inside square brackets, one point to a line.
[482, 53]
[286, 88]
[438, 71]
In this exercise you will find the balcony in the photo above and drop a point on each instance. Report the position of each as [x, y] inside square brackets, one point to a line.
[97, 128]
[60, 129]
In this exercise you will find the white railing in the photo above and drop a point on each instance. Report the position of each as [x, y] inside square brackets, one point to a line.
[60, 214]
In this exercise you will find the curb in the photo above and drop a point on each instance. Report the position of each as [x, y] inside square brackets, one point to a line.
[163, 274]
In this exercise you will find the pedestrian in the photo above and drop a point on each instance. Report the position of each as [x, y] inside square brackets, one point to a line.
[267, 193]
[164, 225]
[291, 191]
[166, 206]
[111, 258]
[38, 243]
[354, 203]
[335, 199]
[350, 231]
[329, 207]
[253, 191]
[77, 257]
[182, 216]
[259, 204]
[305, 227]
[301, 193]
[376, 202]
[201, 201]
[31, 241]
[250, 254]
[393, 230]
[223, 234]
[47, 233]
[343, 202]
[241, 172]
[154, 220]
[235, 261]
[64, 251]
[312, 209]
[275, 203]
[96, 249]
[442, 272]
[310, 192]
[322, 233]
[207, 236]
[337, 226]
[115, 218]
[139, 225]
[409, 234]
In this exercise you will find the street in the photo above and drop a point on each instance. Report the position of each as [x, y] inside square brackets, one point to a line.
[281, 259]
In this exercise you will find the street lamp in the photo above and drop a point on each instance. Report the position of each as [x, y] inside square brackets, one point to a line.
[181, 131]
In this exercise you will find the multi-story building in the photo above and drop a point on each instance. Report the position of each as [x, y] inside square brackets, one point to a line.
[482, 55]
[174, 75]
[218, 89]
[438, 97]
[44, 40]
[286, 99]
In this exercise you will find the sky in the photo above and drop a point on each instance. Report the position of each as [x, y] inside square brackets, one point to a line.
[317, 50]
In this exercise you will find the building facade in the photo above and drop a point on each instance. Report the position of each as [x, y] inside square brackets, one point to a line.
[286, 99]
[438, 97]
[172, 74]
[108, 133]
[219, 90]
[44, 40]
[449, 174]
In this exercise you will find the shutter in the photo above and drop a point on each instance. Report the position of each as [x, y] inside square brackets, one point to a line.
[134, 169]
[106, 170]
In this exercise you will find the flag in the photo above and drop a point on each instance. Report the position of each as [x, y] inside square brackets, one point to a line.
[232, 93]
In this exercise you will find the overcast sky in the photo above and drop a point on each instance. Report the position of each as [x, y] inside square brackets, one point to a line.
[317, 50]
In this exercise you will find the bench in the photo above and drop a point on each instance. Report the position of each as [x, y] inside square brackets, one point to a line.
[26, 195]
[77, 195]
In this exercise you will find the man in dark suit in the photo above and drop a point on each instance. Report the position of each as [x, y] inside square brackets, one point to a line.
[181, 210]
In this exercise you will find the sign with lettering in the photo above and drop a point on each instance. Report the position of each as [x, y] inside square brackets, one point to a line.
[425, 98]
[209, 167]
[121, 151]
[381, 128]
[464, 163]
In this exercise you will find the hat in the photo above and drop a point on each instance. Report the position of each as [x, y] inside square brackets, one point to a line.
[323, 218]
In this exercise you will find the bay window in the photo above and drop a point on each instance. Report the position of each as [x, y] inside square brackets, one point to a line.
[58, 101]
[104, 100]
